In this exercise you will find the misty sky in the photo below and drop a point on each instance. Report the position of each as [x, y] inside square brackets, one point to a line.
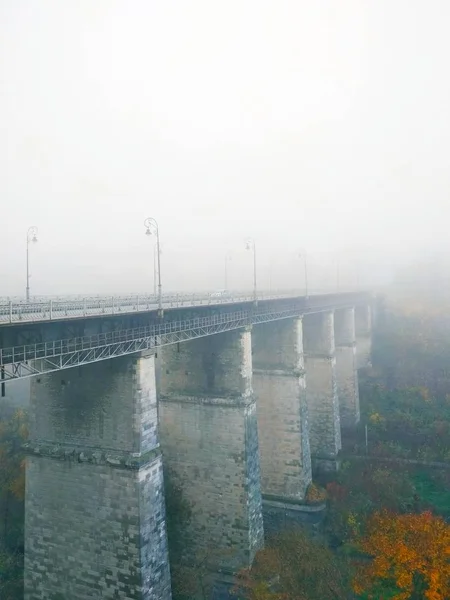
[317, 124]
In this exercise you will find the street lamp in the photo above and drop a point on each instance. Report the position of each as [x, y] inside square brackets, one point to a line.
[151, 226]
[303, 255]
[31, 237]
[250, 245]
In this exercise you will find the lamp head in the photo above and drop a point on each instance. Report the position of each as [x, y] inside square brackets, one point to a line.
[148, 232]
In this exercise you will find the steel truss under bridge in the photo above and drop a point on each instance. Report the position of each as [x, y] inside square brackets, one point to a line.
[34, 359]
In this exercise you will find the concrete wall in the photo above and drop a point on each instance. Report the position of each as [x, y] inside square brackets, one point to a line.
[321, 385]
[346, 368]
[94, 505]
[279, 384]
[210, 443]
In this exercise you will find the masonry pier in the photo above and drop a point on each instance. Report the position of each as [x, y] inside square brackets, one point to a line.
[210, 443]
[94, 503]
[279, 384]
[346, 368]
[321, 389]
[363, 327]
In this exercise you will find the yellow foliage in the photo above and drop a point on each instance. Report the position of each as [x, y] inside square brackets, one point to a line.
[405, 549]
[377, 419]
[315, 493]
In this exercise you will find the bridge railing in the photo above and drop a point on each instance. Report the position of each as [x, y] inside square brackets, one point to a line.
[11, 312]
[61, 309]
[41, 350]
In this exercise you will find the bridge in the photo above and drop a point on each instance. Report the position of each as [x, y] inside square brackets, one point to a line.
[241, 398]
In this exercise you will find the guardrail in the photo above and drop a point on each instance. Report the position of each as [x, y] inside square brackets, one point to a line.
[43, 357]
[12, 312]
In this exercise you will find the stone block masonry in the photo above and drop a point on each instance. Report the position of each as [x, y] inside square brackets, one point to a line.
[363, 327]
[321, 387]
[94, 502]
[279, 384]
[209, 439]
[346, 368]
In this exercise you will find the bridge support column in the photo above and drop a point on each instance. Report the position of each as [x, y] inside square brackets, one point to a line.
[346, 371]
[210, 444]
[321, 389]
[363, 326]
[279, 384]
[94, 503]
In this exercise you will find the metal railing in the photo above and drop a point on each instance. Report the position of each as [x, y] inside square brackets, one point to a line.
[49, 310]
[32, 359]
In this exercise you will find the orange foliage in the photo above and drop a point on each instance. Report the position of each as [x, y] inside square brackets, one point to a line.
[410, 551]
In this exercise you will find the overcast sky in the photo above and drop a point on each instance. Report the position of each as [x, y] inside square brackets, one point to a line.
[317, 124]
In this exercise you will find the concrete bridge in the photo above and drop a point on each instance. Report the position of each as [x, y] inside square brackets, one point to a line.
[242, 400]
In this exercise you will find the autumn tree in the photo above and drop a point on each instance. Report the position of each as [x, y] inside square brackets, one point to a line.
[408, 553]
[294, 566]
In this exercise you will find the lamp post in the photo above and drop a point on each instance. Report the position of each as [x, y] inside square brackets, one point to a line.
[31, 237]
[303, 255]
[151, 226]
[250, 245]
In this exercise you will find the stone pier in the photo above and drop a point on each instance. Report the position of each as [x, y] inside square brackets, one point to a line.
[321, 389]
[279, 384]
[363, 328]
[94, 503]
[346, 369]
[209, 439]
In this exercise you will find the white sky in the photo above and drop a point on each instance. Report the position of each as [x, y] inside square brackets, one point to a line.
[319, 124]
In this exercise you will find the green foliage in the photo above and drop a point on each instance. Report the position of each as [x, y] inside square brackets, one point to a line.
[402, 423]
[433, 491]
[359, 489]
[295, 566]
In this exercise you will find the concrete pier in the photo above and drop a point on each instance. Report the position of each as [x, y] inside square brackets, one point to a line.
[94, 505]
[279, 384]
[363, 328]
[321, 389]
[346, 368]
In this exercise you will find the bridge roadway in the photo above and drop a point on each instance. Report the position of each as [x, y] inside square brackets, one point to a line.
[43, 337]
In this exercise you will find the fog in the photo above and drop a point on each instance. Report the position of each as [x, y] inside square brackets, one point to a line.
[320, 126]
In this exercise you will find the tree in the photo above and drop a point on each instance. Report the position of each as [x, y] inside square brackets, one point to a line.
[294, 566]
[407, 553]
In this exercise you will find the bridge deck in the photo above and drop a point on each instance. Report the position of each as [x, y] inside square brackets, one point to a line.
[26, 360]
